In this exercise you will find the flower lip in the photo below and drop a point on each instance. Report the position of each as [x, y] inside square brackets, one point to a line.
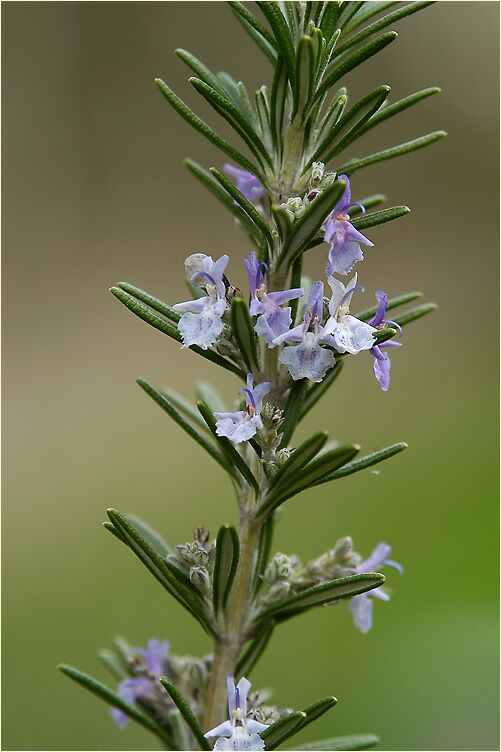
[251, 402]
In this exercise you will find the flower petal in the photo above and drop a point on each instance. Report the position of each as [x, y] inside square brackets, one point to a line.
[361, 607]
[308, 359]
[342, 258]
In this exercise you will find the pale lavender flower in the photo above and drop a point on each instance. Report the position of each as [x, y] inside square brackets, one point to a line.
[247, 183]
[361, 605]
[308, 359]
[382, 362]
[348, 334]
[240, 732]
[201, 321]
[241, 425]
[142, 687]
[344, 239]
[272, 319]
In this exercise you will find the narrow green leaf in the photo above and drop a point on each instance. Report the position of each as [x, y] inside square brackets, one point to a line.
[392, 303]
[199, 125]
[369, 460]
[329, 126]
[159, 568]
[304, 76]
[415, 313]
[383, 335]
[348, 10]
[304, 228]
[365, 13]
[166, 405]
[263, 551]
[179, 730]
[263, 114]
[282, 221]
[329, 18]
[238, 94]
[225, 565]
[244, 334]
[317, 709]
[335, 71]
[256, 31]
[246, 205]
[150, 300]
[110, 697]
[279, 91]
[393, 109]
[395, 151]
[357, 115]
[112, 529]
[282, 729]
[344, 587]
[315, 391]
[186, 712]
[229, 450]
[150, 535]
[254, 651]
[233, 117]
[360, 741]
[146, 314]
[300, 457]
[208, 180]
[382, 23]
[113, 664]
[380, 217]
[185, 407]
[313, 474]
[293, 410]
[201, 70]
[283, 38]
[208, 394]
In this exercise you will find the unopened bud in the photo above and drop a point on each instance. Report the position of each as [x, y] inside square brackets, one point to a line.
[199, 576]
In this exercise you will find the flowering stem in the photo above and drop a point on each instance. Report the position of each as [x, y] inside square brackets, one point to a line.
[228, 645]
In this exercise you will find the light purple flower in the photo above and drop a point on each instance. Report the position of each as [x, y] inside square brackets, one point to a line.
[382, 362]
[344, 239]
[240, 732]
[201, 322]
[142, 687]
[247, 183]
[361, 605]
[241, 425]
[349, 334]
[308, 359]
[272, 319]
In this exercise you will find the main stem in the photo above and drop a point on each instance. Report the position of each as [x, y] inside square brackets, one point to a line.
[229, 642]
[228, 645]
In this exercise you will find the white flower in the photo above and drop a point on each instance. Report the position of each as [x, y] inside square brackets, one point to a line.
[240, 732]
[349, 334]
[201, 322]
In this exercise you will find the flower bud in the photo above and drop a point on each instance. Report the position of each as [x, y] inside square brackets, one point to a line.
[199, 577]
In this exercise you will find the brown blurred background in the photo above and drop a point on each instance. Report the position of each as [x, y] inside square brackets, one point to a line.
[94, 191]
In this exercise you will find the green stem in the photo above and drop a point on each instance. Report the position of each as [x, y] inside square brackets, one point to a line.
[229, 645]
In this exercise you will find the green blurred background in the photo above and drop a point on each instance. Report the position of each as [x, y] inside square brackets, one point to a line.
[95, 191]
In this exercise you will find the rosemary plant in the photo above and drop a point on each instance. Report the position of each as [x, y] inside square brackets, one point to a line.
[287, 341]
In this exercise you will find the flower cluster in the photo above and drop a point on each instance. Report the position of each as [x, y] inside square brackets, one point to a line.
[286, 575]
[327, 330]
[146, 666]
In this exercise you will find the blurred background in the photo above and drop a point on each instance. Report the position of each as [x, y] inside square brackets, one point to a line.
[94, 191]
